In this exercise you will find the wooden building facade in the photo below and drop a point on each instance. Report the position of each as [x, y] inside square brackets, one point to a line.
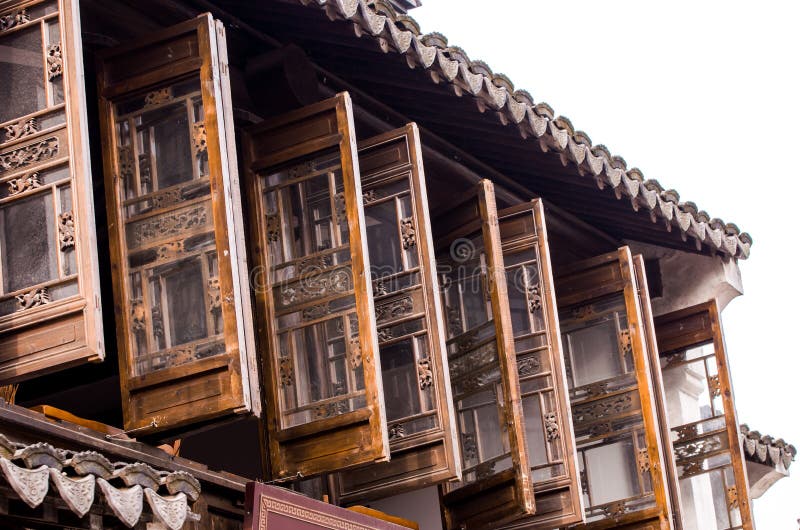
[297, 241]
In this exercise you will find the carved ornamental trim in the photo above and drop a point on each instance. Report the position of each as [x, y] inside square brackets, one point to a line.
[408, 233]
[393, 309]
[24, 183]
[55, 62]
[66, 231]
[21, 129]
[643, 460]
[396, 430]
[534, 298]
[157, 97]
[733, 498]
[29, 154]
[424, 373]
[12, 20]
[214, 295]
[273, 227]
[286, 370]
[552, 429]
[601, 409]
[33, 298]
[200, 138]
[714, 386]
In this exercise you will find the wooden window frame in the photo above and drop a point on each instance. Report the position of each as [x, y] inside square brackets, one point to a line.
[346, 439]
[578, 285]
[431, 456]
[558, 501]
[506, 495]
[680, 330]
[223, 384]
[55, 333]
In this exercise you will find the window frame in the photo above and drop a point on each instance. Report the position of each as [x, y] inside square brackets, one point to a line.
[227, 383]
[598, 278]
[58, 333]
[687, 335]
[432, 456]
[361, 435]
[508, 494]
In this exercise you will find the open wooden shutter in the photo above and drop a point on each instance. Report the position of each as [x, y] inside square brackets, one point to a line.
[496, 485]
[540, 367]
[658, 391]
[316, 313]
[611, 391]
[416, 386]
[176, 231]
[702, 418]
[49, 276]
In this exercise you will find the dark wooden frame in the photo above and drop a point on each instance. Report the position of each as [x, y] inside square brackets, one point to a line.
[52, 335]
[558, 501]
[353, 438]
[578, 285]
[432, 456]
[223, 384]
[676, 332]
[508, 494]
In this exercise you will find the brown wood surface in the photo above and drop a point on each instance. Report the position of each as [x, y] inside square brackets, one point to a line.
[177, 396]
[353, 438]
[66, 332]
[558, 501]
[695, 326]
[431, 456]
[507, 495]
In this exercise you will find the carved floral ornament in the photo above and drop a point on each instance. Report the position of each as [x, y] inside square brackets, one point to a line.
[55, 62]
[29, 154]
[76, 477]
[14, 19]
[21, 129]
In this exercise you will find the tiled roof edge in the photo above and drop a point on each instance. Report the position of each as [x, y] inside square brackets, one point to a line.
[765, 449]
[495, 93]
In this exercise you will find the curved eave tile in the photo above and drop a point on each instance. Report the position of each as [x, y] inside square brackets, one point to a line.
[397, 32]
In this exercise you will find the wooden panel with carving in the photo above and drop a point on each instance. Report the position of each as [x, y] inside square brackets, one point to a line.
[175, 225]
[419, 406]
[540, 364]
[658, 392]
[484, 375]
[49, 283]
[316, 315]
[702, 418]
[611, 391]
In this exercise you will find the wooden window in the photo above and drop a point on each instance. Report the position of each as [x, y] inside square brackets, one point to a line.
[642, 271]
[49, 284]
[611, 391]
[316, 311]
[176, 232]
[419, 407]
[702, 419]
[550, 441]
[496, 483]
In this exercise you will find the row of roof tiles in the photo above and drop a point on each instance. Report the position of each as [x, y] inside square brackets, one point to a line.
[30, 468]
[765, 449]
[396, 32]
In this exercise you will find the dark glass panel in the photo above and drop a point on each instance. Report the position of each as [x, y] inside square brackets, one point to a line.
[27, 244]
[22, 73]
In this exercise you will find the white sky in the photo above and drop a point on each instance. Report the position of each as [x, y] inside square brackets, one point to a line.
[703, 96]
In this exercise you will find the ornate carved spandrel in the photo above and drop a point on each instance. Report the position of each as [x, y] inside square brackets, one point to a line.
[168, 225]
[534, 298]
[34, 298]
[12, 20]
[393, 309]
[552, 429]
[214, 295]
[603, 408]
[397, 430]
[286, 371]
[698, 448]
[55, 62]
[21, 129]
[200, 138]
[157, 97]
[643, 460]
[424, 374]
[29, 154]
[24, 183]
[371, 196]
[714, 386]
[408, 233]
[66, 231]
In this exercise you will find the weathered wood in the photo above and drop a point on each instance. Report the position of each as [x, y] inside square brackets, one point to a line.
[168, 381]
[393, 178]
[301, 161]
[52, 323]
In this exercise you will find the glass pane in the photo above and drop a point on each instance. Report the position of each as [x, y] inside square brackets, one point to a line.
[185, 293]
[704, 500]
[534, 433]
[166, 132]
[611, 471]
[383, 239]
[400, 380]
[28, 243]
[22, 72]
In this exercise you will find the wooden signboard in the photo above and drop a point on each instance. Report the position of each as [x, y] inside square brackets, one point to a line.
[273, 508]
